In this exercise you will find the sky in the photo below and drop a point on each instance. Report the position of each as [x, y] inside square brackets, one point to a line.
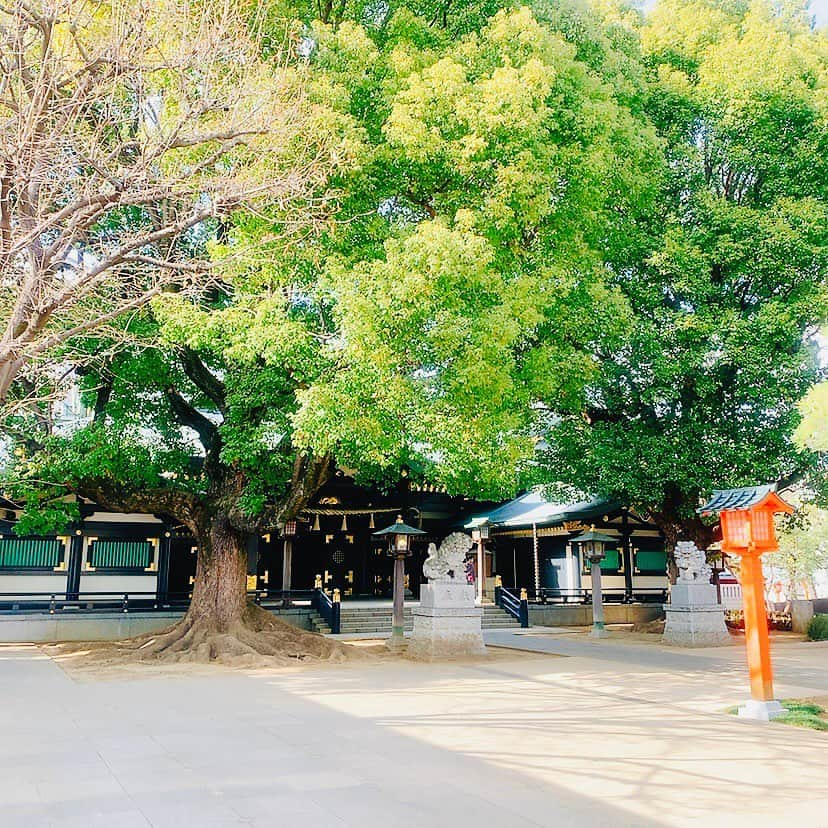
[820, 10]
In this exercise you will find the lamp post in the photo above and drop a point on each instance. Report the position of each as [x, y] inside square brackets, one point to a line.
[399, 537]
[746, 517]
[480, 534]
[593, 546]
[716, 559]
[289, 533]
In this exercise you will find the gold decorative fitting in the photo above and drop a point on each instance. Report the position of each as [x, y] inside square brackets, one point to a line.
[315, 523]
[498, 581]
[317, 582]
[336, 595]
[524, 595]
[251, 582]
[192, 579]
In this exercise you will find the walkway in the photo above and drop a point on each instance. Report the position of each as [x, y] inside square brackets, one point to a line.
[801, 668]
[520, 739]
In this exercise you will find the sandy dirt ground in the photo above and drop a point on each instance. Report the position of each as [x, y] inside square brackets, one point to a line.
[615, 733]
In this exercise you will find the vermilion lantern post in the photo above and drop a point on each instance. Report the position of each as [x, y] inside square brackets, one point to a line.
[746, 517]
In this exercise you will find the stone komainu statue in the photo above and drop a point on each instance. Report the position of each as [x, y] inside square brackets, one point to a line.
[446, 564]
[691, 563]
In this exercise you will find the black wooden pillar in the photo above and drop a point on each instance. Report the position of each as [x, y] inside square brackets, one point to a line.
[252, 553]
[626, 542]
[163, 584]
[73, 573]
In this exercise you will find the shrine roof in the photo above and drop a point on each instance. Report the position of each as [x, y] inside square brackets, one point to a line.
[743, 498]
[533, 508]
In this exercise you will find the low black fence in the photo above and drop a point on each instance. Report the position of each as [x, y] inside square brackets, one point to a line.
[58, 602]
[275, 598]
[609, 596]
[23, 602]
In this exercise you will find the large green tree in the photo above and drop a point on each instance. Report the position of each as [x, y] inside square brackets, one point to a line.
[703, 391]
[486, 184]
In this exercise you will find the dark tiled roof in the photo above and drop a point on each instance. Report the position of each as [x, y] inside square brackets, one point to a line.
[533, 508]
[742, 498]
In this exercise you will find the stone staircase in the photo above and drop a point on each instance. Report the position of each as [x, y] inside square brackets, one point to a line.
[368, 620]
[319, 624]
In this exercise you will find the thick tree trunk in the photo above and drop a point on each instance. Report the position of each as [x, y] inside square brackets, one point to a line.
[220, 589]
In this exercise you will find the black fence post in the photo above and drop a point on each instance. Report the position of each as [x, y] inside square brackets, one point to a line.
[498, 596]
[336, 623]
[524, 609]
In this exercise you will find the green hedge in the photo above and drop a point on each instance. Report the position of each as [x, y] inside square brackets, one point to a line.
[818, 628]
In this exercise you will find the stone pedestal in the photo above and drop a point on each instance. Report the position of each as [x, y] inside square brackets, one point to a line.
[801, 614]
[447, 624]
[694, 618]
[762, 711]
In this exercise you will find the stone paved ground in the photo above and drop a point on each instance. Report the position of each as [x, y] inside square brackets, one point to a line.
[604, 734]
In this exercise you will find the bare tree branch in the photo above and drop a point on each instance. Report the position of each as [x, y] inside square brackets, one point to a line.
[126, 132]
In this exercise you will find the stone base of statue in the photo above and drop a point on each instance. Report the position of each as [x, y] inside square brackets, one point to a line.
[694, 618]
[447, 624]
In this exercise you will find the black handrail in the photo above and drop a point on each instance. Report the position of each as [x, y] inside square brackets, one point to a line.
[328, 608]
[516, 605]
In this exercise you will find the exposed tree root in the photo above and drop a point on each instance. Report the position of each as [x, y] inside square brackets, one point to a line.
[258, 639]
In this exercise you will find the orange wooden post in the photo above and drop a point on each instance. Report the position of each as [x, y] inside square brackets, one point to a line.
[746, 517]
[756, 627]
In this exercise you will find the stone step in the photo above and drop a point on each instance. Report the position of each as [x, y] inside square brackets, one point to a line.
[353, 612]
[494, 624]
[368, 620]
[319, 624]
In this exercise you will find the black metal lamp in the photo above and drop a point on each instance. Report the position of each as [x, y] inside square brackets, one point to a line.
[399, 536]
[480, 532]
[593, 545]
